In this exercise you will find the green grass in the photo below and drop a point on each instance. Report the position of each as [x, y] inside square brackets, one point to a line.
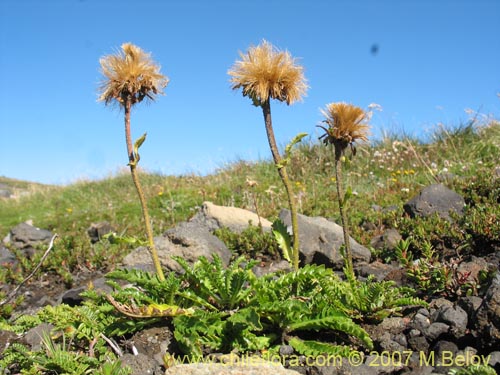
[388, 172]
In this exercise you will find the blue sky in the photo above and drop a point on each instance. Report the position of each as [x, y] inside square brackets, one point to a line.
[435, 59]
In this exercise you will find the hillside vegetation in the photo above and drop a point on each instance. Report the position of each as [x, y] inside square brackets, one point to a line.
[386, 173]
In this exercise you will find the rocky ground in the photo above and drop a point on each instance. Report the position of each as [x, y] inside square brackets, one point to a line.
[465, 330]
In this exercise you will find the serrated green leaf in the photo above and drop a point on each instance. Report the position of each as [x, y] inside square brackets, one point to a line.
[248, 317]
[283, 239]
[316, 348]
[336, 321]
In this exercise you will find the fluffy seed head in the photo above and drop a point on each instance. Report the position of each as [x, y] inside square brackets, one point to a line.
[130, 75]
[346, 124]
[264, 72]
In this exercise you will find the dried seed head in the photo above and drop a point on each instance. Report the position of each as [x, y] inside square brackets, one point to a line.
[264, 72]
[130, 75]
[346, 125]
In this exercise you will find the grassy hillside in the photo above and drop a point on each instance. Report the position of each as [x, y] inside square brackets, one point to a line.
[386, 173]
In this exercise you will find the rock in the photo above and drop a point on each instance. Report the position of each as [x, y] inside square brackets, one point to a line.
[435, 198]
[388, 334]
[141, 364]
[472, 269]
[495, 360]
[436, 305]
[72, 297]
[435, 330]
[24, 235]
[445, 346]
[189, 240]
[443, 351]
[388, 240]
[153, 342]
[386, 343]
[378, 269]
[487, 318]
[455, 317]
[6, 339]
[418, 344]
[34, 336]
[233, 218]
[282, 265]
[258, 368]
[5, 193]
[286, 350]
[7, 259]
[320, 241]
[97, 230]
[421, 321]
[470, 304]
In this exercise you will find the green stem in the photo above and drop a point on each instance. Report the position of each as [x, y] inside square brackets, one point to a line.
[343, 214]
[266, 109]
[142, 198]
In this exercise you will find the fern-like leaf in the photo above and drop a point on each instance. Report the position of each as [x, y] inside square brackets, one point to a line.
[334, 321]
[317, 348]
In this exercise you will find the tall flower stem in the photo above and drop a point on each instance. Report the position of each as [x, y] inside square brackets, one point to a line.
[343, 214]
[266, 110]
[140, 192]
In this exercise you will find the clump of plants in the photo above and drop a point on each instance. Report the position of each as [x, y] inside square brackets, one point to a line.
[131, 77]
[212, 307]
[251, 242]
[265, 73]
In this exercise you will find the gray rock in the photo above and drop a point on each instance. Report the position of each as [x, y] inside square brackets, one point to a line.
[445, 346]
[233, 218]
[286, 350]
[72, 297]
[189, 240]
[418, 344]
[443, 351]
[97, 230]
[495, 360]
[437, 305]
[433, 199]
[487, 317]
[5, 193]
[435, 330]
[456, 318]
[420, 322]
[282, 265]
[320, 241]
[141, 364]
[6, 339]
[470, 304]
[34, 336]
[473, 268]
[153, 342]
[25, 235]
[7, 258]
[378, 269]
[386, 343]
[388, 240]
